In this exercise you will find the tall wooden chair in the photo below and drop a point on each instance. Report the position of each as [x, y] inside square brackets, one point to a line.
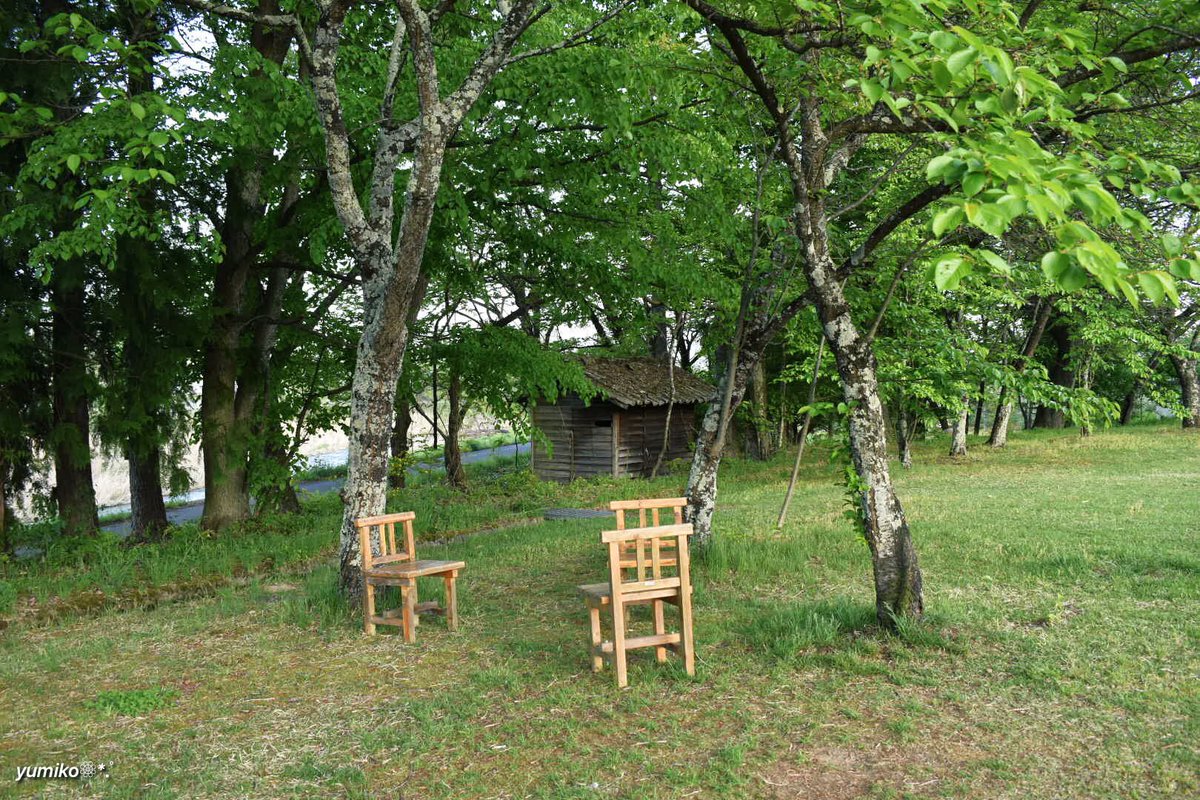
[638, 563]
[398, 567]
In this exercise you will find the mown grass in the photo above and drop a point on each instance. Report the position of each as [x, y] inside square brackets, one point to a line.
[76, 575]
[1059, 658]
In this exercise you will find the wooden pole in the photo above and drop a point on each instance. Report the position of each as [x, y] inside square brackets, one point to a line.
[812, 396]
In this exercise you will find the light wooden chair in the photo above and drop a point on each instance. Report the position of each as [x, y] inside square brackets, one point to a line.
[643, 552]
[398, 567]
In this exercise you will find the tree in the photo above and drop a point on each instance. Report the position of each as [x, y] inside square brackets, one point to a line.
[976, 89]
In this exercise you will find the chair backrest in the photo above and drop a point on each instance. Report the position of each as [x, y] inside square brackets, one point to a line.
[644, 570]
[654, 505]
[378, 535]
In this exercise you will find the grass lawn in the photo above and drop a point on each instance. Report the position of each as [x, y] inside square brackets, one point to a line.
[1060, 657]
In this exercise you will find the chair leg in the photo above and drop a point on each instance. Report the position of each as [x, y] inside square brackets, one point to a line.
[409, 613]
[368, 608]
[686, 639]
[594, 618]
[451, 601]
[660, 627]
[619, 643]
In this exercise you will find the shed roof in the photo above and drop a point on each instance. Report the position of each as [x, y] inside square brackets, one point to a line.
[630, 382]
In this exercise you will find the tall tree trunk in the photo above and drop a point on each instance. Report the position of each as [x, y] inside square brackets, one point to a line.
[148, 511]
[758, 438]
[1060, 373]
[380, 355]
[999, 437]
[979, 406]
[1129, 403]
[706, 459]
[224, 439]
[5, 544]
[372, 403]
[1189, 387]
[227, 403]
[898, 586]
[904, 437]
[399, 443]
[456, 476]
[148, 379]
[73, 489]
[958, 439]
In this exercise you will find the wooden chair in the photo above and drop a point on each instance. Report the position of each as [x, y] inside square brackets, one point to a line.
[643, 553]
[400, 567]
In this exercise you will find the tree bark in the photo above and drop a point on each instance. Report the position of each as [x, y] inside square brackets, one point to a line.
[706, 459]
[456, 476]
[958, 438]
[758, 438]
[999, 436]
[1129, 403]
[1189, 387]
[73, 489]
[898, 584]
[148, 511]
[979, 406]
[904, 433]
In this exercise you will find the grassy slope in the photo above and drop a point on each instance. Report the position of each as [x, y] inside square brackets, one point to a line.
[1060, 659]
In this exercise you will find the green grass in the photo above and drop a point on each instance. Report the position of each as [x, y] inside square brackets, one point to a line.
[1059, 658]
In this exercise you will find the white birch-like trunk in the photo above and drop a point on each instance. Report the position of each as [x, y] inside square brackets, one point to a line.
[958, 438]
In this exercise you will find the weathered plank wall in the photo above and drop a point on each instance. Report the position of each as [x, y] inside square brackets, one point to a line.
[641, 437]
[581, 439]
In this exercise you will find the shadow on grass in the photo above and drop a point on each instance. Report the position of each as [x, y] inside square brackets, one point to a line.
[840, 634]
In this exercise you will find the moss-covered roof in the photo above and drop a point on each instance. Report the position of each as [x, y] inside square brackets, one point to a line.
[631, 382]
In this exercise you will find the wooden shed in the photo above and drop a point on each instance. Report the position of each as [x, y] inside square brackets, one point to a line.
[620, 432]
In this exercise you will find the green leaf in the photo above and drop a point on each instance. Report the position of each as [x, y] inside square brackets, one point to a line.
[943, 40]
[1054, 264]
[137, 109]
[941, 166]
[1152, 287]
[988, 217]
[947, 273]
[73, 162]
[995, 261]
[1172, 245]
[973, 183]
[959, 61]
[872, 89]
[947, 219]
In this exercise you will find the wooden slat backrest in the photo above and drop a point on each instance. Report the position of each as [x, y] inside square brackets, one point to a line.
[655, 505]
[381, 530]
[648, 573]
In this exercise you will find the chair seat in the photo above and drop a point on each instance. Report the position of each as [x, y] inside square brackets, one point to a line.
[414, 569]
[600, 594]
